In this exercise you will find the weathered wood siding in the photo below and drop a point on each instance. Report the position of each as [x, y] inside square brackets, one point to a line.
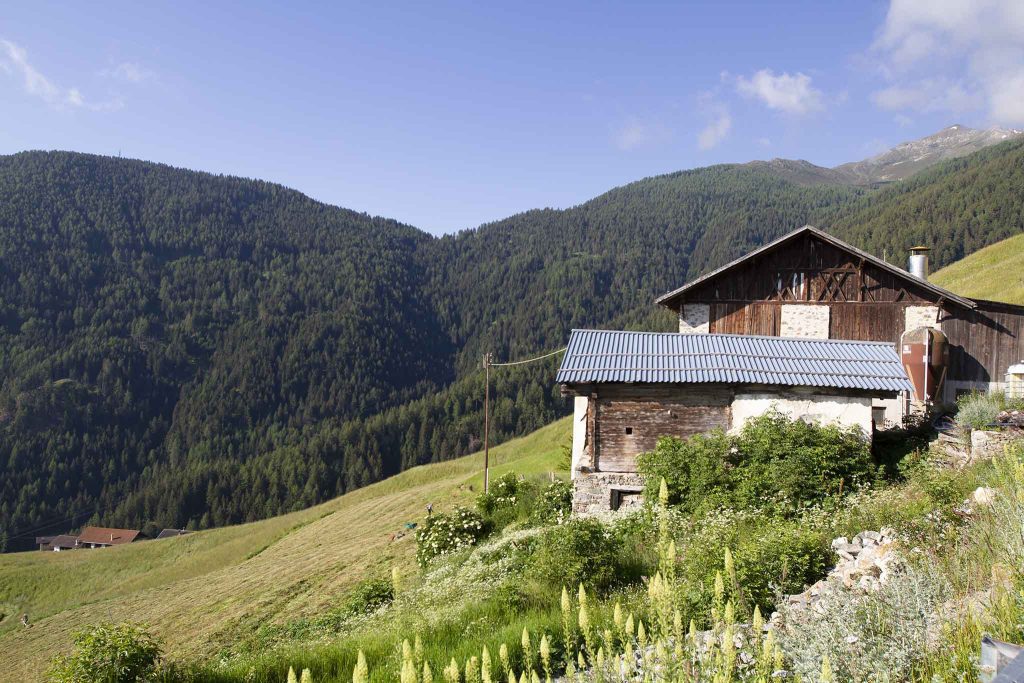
[630, 420]
[984, 342]
[808, 270]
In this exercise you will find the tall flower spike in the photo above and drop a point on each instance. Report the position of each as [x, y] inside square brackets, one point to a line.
[306, 677]
[545, 651]
[617, 615]
[361, 673]
[485, 666]
[506, 663]
[417, 650]
[406, 650]
[291, 676]
[663, 493]
[428, 675]
[826, 670]
[527, 649]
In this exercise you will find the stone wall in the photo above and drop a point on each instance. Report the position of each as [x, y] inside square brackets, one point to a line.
[800, 320]
[592, 491]
[695, 319]
[921, 316]
[986, 444]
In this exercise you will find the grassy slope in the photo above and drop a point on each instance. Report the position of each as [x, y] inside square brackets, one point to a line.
[995, 272]
[198, 591]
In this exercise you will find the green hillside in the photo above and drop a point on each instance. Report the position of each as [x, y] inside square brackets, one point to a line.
[995, 273]
[184, 349]
[212, 588]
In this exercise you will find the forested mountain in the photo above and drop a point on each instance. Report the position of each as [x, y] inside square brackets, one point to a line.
[178, 348]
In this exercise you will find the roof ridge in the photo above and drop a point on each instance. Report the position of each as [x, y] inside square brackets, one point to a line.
[740, 336]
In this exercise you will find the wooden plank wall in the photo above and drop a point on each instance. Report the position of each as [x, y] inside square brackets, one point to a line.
[650, 412]
[984, 342]
[867, 321]
[738, 318]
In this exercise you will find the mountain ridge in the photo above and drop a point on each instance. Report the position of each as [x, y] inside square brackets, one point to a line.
[238, 350]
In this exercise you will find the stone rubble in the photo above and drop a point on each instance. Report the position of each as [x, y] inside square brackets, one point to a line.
[865, 562]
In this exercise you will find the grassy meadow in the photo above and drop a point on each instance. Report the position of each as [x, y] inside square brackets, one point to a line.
[203, 592]
[995, 272]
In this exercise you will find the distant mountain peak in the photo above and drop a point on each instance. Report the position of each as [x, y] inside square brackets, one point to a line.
[897, 163]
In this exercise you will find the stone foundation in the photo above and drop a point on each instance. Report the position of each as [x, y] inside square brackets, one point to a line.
[597, 491]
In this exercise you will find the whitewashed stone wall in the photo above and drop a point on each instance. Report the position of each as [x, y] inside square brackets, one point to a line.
[579, 432]
[843, 410]
[801, 320]
[695, 319]
[921, 316]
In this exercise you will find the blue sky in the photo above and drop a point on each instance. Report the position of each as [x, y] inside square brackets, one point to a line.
[448, 115]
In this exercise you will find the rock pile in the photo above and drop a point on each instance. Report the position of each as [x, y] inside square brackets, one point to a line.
[865, 562]
[1011, 418]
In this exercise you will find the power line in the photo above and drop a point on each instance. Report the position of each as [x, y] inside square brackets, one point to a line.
[540, 357]
[488, 364]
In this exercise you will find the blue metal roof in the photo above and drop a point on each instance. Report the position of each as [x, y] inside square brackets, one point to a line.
[603, 356]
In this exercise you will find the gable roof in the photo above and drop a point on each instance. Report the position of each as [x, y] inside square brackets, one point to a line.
[107, 536]
[668, 297]
[602, 356]
[63, 541]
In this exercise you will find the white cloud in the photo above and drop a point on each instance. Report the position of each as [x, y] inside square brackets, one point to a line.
[130, 72]
[718, 126]
[636, 133]
[14, 61]
[953, 55]
[792, 94]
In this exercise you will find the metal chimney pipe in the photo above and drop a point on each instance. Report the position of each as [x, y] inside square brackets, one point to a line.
[917, 265]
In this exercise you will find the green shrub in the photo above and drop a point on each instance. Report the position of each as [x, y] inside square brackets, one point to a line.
[798, 461]
[694, 470]
[109, 653]
[445, 533]
[554, 504]
[368, 596]
[772, 462]
[509, 499]
[579, 551]
[770, 556]
[978, 410]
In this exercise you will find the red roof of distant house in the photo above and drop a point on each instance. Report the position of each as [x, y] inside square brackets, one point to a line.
[105, 536]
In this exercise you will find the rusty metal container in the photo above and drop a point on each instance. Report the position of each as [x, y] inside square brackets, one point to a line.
[925, 355]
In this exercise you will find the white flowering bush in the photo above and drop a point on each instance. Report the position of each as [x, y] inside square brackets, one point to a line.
[554, 504]
[445, 533]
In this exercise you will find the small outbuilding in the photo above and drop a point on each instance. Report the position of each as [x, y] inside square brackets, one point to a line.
[631, 388]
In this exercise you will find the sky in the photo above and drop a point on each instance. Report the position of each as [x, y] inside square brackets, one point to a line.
[449, 115]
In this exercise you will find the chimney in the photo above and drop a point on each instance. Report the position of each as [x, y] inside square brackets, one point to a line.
[917, 265]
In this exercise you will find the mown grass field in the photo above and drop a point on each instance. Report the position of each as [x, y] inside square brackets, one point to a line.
[995, 272]
[199, 592]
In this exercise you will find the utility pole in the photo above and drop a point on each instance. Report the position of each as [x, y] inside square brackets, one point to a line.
[487, 418]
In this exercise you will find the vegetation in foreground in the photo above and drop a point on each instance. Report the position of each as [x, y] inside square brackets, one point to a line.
[494, 592]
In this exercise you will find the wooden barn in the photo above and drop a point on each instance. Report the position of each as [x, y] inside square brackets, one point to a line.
[810, 284]
[631, 388]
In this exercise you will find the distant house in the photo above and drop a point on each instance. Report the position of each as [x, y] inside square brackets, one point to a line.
[171, 533]
[57, 543]
[631, 388]
[102, 537]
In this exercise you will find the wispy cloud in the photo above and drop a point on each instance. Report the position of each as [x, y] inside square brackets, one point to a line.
[952, 55]
[14, 61]
[129, 72]
[636, 133]
[790, 93]
[719, 123]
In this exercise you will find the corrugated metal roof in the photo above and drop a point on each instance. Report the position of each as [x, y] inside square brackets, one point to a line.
[601, 356]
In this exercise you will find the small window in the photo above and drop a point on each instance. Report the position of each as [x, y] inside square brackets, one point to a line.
[629, 430]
